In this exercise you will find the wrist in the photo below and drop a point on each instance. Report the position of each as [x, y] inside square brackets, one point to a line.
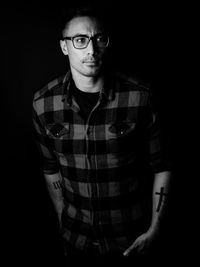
[154, 228]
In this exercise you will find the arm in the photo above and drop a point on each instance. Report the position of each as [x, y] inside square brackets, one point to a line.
[159, 197]
[53, 182]
[159, 158]
[49, 163]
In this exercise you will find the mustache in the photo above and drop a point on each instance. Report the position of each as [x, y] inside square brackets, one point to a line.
[90, 59]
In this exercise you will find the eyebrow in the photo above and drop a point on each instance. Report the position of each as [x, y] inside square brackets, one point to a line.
[85, 35]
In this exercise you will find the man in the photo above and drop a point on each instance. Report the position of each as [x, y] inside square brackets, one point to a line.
[100, 142]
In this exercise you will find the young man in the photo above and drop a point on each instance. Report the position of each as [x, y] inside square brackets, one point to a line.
[100, 142]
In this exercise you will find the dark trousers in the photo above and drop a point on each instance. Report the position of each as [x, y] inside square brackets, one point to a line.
[92, 258]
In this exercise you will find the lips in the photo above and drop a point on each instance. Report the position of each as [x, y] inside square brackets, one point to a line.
[90, 61]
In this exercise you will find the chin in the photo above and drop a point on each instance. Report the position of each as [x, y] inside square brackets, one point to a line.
[92, 73]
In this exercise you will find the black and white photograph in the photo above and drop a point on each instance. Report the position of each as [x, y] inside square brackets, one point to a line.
[93, 131]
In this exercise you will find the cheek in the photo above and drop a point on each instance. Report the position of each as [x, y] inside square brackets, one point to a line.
[75, 56]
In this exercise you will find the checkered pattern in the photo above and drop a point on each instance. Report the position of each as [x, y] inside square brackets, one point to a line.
[103, 161]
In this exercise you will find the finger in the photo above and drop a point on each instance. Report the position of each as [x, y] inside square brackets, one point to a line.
[128, 250]
[126, 253]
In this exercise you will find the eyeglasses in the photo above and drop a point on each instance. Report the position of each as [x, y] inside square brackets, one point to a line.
[81, 41]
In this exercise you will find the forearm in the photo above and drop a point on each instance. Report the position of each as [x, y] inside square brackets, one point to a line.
[53, 182]
[160, 197]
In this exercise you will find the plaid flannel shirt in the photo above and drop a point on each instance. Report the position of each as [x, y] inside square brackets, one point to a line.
[102, 161]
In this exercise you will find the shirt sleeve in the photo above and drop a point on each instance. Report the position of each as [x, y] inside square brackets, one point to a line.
[158, 140]
[48, 160]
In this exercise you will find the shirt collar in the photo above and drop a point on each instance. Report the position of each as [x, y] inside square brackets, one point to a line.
[66, 94]
[109, 86]
[107, 91]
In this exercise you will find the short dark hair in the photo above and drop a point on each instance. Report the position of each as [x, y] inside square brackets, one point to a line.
[79, 10]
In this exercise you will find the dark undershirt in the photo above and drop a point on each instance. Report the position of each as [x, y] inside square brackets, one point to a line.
[85, 100]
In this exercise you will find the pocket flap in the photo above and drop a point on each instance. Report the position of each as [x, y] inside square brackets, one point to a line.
[58, 130]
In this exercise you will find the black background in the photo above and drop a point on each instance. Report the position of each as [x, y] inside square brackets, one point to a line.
[147, 46]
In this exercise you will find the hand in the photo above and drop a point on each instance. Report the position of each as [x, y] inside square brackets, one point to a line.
[143, 243]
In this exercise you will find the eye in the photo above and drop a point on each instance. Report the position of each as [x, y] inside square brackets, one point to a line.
[80, 40]
[102, 39]
[99, 38]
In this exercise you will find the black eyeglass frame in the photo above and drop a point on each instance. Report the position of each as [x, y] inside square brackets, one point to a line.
[89, 38]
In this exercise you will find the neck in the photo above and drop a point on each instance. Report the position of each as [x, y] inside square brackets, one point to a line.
[88, 84]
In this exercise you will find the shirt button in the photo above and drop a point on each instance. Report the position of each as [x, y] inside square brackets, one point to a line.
[89, 130]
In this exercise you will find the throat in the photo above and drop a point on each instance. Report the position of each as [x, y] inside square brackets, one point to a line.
[88, 84]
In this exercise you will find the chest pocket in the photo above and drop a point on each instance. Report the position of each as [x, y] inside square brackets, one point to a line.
[59, 136]
[122, 136]
[58, 130]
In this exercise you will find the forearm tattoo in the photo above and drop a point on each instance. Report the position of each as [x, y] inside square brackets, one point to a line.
[162, 195]
[57, 185]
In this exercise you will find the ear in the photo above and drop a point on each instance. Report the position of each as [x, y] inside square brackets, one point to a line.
[63, 47]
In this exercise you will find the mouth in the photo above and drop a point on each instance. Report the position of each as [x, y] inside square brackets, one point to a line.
[91, 62]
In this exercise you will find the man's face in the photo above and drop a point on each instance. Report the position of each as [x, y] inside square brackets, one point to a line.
[87, 61]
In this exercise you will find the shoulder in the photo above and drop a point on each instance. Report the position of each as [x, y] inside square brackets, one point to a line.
[49, 88]
[134, 90]
[132, 83]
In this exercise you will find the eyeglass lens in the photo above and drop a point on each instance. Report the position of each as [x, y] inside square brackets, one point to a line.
[83, 41]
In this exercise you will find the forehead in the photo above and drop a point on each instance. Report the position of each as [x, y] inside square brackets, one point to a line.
[83, 25]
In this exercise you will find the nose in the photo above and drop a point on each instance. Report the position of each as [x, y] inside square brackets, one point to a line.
[91, 48]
